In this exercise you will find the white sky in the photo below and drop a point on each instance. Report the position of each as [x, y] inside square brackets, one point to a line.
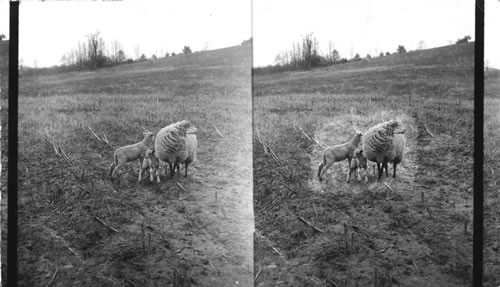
[50, 29]
[362, 26]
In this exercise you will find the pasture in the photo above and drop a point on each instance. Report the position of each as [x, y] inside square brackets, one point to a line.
[414, 230]
[491, 175]
[78, 228]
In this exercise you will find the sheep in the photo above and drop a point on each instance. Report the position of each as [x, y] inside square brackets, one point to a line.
[399, 145]
[170, 143]
[130, 153]
[359, 162]
[378, 144]
[338, 153]
[152, 163]
[190, 155]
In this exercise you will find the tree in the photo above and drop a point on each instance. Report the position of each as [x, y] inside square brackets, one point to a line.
[167, 55]
[121, 56]
[387, 53]
[153, 57]
[173, 54]
[333, 55]
[186, 50]
[463, 40]
[357, 57]
[368, 56]
[420, 45]
[2, 36]
[143, 57]
[401, 49]
[381, 54]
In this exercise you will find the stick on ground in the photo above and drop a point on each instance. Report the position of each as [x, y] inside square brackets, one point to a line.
[103, 223]
[309, 224]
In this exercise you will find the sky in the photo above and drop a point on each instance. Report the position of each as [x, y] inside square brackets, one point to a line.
[362, 26]
[49, 29]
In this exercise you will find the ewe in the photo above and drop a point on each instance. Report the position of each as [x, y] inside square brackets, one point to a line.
[132, 152]
[338, 153]
[191, 146]
[170, 143]
[379, 144]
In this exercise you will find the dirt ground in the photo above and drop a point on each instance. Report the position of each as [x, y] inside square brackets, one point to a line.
[414, 230]
[78, 228]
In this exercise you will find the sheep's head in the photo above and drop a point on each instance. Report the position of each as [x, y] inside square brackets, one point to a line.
[356, 138]
[394, 127]
[150, 153]
[187, 128]
[357, 153]
[148, 136]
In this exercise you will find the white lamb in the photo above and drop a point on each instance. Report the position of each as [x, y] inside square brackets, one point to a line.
[152, 163]
[359, 162]
[130, 153]
[338, 153]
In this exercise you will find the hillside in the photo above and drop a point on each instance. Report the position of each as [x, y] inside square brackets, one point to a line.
[412, 230]
[79, 227]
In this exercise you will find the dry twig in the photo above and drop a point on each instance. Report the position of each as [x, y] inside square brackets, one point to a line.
[310, 225]
[103, 223]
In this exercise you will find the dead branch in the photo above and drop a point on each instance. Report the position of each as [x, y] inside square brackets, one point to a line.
[432, 135]
[53, 277]
[315, 139]
[93, 133]
[309, 224]
[388, 186]
[434, 227]
[218, 131]
[257, 275]
[103, 223]
[211, 265]
[182, 187]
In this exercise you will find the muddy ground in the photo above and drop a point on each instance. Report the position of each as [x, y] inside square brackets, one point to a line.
[412, 230]
[78, 228]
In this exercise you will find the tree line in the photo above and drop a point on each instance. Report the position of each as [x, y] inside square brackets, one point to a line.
[94, 53]
[305, 54]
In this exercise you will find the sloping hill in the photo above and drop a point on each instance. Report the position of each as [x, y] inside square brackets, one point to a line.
[412, 230]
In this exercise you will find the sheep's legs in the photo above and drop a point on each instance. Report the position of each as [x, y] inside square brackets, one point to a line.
[158, 175]
[394, 172]
[186, 169]
[325, 168]
[380, 170]
[140, 170]
[319, 170]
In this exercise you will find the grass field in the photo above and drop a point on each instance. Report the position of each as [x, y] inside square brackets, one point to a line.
[200, 227]
[491, 175]
[414, 230]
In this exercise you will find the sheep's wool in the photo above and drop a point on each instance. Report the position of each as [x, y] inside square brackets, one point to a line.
[170, 141]
[378, 142]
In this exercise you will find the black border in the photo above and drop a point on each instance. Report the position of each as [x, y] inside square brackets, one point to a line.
[12, 144]
[477, 257]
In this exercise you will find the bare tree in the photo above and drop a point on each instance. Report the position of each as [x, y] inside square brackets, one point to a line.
[420, 45]
[2, 36]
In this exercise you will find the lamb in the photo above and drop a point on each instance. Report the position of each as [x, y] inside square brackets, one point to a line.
[191, 146]
[170, 143]
[359, 162]
[130, 153]
[152, 163]
[338, 153]
[379, 146]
